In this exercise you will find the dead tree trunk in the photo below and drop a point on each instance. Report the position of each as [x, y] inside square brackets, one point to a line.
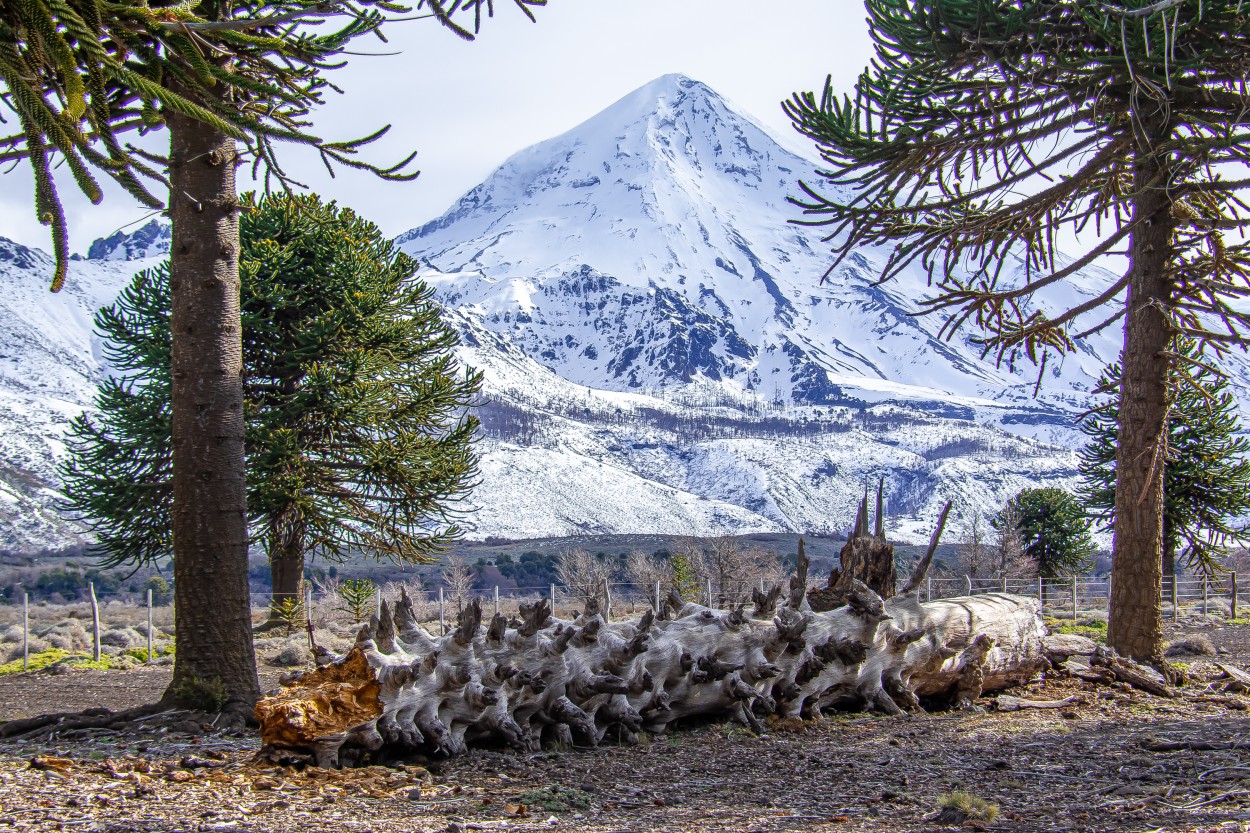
[866, 557]
[545, 680]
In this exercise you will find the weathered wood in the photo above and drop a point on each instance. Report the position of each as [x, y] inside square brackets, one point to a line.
[866, 557]
[322, 708]
[1238, 680]
[539, 679]
[1135, 674]
[1059, 647]
[1010, 703]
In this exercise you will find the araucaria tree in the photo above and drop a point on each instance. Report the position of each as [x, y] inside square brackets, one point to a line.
[1054, 532]
[985, 129]
[358, 434]
[1206, 474]
[78, 75]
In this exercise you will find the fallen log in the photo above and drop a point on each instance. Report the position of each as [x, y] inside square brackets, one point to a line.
[581, 681]
[1134, 674]
[541, 680]
[1238, 680]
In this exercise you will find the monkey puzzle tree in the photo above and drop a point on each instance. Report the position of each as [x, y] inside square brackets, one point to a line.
[358, 438]
[985, 128]
[1206, 473]
[1054, 532]
[78, 74]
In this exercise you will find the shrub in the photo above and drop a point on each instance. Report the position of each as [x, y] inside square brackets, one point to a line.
[121, 638]
[162, 593]
[201, 695]
[1190, 646]
[291, 655]
[957, 807]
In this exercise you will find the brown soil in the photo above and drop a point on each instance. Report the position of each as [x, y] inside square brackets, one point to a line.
[1086, 767]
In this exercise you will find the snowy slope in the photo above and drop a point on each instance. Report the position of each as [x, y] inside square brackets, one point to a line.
[50, 364]
[652, 246]
[659, 353]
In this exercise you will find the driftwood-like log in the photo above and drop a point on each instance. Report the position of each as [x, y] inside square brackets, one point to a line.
[538, 679]
[1010, 703]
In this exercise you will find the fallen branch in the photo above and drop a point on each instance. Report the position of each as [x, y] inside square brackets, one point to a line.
[1008, 703]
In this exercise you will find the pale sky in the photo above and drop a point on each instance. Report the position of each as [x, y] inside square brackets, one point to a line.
[466, 107]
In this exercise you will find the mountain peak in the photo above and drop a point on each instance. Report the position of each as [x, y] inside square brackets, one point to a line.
[149, 241]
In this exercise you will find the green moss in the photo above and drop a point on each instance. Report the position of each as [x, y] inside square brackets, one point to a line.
[75, 659]
[141, 654]
[1094, 629]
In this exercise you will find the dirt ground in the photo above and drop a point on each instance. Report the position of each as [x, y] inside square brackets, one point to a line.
[1085, 767]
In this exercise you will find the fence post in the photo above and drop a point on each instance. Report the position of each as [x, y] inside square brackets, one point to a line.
[496, 599]
[929, 592]
[377, 602]
[95, 623]
[1004, 582]
[25, 630]
[553, 600]
[149, 625]
[607, 601]
[1074, 598]
[1204, 595]
[968, 582]
[709, 592]
[1232, 595]
[1041, 591]
[308, 610]
[442, 618]
[657, 597]
[1175, 604]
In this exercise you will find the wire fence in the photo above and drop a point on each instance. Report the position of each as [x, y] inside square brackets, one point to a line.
[1075, 598]
[1087, 595]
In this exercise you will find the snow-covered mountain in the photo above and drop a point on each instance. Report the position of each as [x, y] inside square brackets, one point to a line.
[648, 258]
[50, 364]
[660, 353]
[652, 246]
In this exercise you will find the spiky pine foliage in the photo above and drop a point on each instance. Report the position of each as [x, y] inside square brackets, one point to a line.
[80, 74]
[358, 434]
[357, 595]
[1206, 475]
[986, 130]
[1054, 532]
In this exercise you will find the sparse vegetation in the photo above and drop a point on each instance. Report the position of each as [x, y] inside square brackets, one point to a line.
[959, 806]
[200, 694]
[554, 799]
[357, 595]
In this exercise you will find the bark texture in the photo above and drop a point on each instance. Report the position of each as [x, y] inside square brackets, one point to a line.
[540, 680]
[867, 557]
[1135, 624]
[212, 613]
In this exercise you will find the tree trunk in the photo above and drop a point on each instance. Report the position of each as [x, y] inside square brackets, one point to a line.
[1135, 624]
[287, 570]
[212, 611]
[286, 558]
[866, 557]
